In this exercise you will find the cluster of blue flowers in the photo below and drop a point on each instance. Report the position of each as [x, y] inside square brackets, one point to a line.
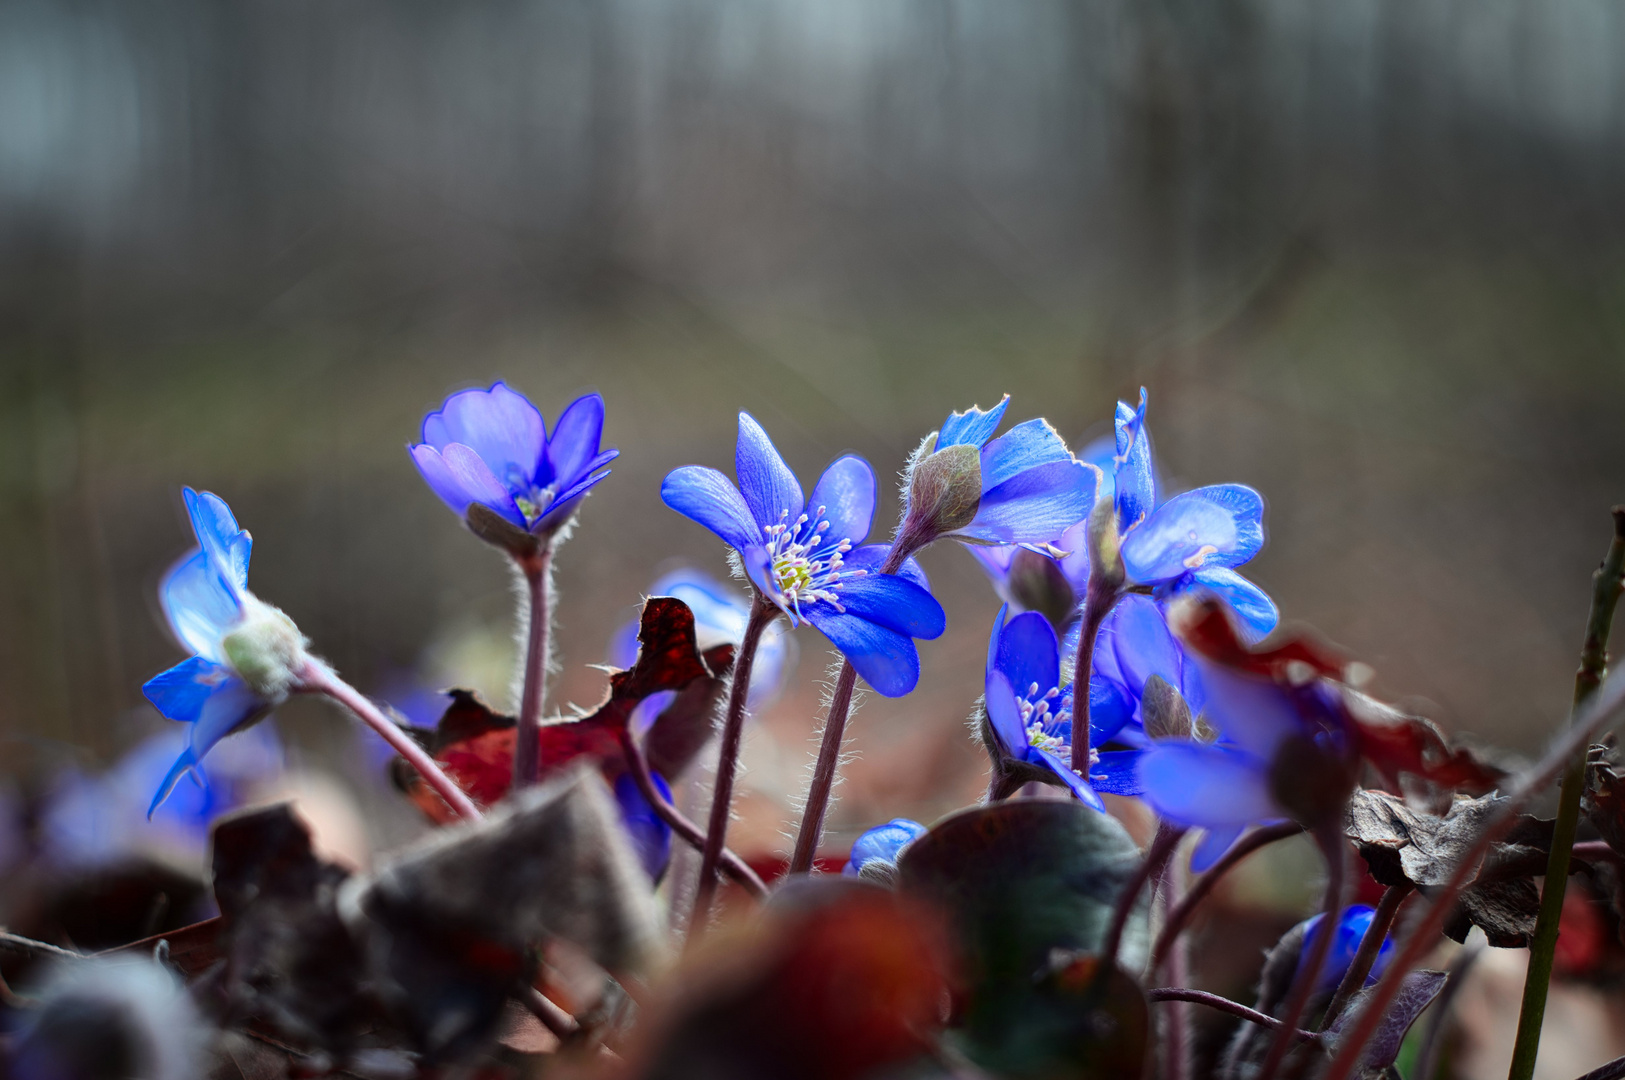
[1061, 535]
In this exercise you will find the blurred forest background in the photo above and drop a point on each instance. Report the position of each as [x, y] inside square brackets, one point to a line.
[1365, 254]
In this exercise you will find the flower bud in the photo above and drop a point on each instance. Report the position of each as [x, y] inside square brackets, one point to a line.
[1106, 574]
[265, 649]
[944, 491]
[1164, 712]
[1036, 583]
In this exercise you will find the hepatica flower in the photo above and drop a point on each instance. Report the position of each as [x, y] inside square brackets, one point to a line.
[490, 448]
[650, 835]
[1192, 541]
[1030, 713]
[1351, 929]
[804, 554]
[1024, 487]
[246, 653]
[1286, 746]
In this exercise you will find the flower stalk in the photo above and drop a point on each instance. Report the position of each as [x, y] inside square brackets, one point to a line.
[1382, 920]
[1606, 584]
[315, 677]
[537, 567]
[1303, 985]
[762, 612]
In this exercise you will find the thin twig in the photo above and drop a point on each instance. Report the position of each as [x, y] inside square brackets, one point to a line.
[1303, 984]
[731, 864]
[1370, 946]
[1181, 913]
[316, 677]
[1603, 709]
[538, 571]
[1606, 584]
[553, 1018]
[1614, 1070]
[1224, 1004]
[762, 612]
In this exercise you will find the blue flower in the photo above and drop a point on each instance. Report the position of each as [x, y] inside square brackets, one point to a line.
[1351, 930]
[1226, 786]
[1032, 488]
[720, 615]
[883, 842]
[651, 836]
[1192, 541]
[802, 554]
[1030, 710]
[247, 654]
[490, 447]
[1134, 644]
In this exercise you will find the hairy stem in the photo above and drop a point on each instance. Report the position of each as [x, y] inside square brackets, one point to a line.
[1600, 711]
[829, 747]
[1303, 985]
[1098, 603]
[733, 724]
[1606, 583]
[731, 864]
[538, 571]
[1224, 1004]
[316, 677]
[1370, 946]
[1182, 911]
[1156, 857]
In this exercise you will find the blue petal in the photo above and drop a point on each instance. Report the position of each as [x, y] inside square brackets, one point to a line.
[710, 498]
[1075, 563]
[1025, 446]
[1080, 787]
[438, 475]
[1134, 476]
[1117, 772]
[1110, 709]
[1253, 713]
[1211, 848]
[570, 499]
[575, 442]
[886, 659]
[650, 835]
[1035, 506]
[218, 534]
[1211, 786]
[1137, 634]
[871, 557]
[894, 602]
[1257, 611]
[181, 692]
[1221, 525]
[499, 425]
[769, 487]
[1028, 654]
[883, 842]
[995, 560]
[228, 706]
[200, 603]
[846, 492]
[973, 427]
[474, 476]
[1005, 715]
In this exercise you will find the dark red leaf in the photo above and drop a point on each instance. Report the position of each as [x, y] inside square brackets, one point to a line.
[1396, 743]
[1207, 626]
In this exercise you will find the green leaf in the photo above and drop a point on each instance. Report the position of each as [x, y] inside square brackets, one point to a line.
[1028, 888]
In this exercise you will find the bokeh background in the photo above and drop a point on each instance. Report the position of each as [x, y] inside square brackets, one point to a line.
[1365, 255]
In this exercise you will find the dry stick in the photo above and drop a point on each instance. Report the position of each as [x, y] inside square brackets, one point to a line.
[1606, 583]
[1181, 914]
[1224, 1004]
[1614, 1070]
[733, 724]
[731, 864]
[315, 677]
[1370, 945]
[538, 570]
[1303, 984]
[829, 748]
[1603, 708]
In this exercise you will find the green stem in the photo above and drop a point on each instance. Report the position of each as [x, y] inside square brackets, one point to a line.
[1606, 584]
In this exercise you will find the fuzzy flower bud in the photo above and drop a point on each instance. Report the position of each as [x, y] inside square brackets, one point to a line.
[944, 491]
[265, 649]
